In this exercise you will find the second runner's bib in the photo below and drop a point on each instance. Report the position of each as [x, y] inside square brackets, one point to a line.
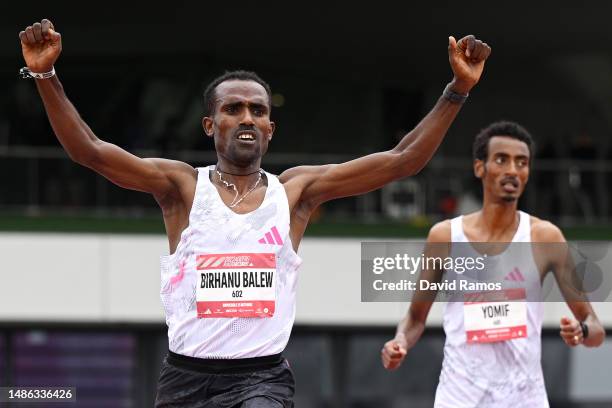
[495, 316]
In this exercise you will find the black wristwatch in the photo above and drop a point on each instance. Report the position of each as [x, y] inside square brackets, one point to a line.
[453, 96]
[585, 330]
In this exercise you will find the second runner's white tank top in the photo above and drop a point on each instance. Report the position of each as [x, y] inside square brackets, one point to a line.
[497, 374]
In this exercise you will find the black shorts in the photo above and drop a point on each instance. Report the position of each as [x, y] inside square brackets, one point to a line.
[260, 382]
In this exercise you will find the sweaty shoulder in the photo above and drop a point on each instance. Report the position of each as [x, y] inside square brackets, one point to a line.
[440, 232]
[545, 231]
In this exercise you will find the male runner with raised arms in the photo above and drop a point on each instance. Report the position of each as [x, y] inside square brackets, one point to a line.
[228, 287]
[481, 371]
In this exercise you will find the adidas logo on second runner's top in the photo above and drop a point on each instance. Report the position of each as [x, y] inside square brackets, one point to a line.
[272, 237]
[515, 275]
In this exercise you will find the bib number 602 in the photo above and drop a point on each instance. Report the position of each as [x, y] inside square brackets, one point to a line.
[237, 293]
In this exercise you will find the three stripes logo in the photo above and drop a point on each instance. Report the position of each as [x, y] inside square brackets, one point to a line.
[515, 275]
[272, 237]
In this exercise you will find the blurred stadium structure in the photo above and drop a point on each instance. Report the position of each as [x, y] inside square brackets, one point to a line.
[568, 191]
[346, 83]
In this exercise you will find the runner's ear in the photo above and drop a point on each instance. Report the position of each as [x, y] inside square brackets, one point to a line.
[479, 169]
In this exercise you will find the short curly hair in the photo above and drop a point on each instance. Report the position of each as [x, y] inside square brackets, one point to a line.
[480, 148]
[209, 93]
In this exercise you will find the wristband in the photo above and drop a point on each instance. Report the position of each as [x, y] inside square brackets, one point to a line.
[453, 96]
[26, 73]
[585, 330]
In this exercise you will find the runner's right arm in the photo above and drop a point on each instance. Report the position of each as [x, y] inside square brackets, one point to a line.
[412, 326]
[41, 46]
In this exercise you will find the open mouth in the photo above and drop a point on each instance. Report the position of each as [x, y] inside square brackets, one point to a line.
[510, 185]
[246, 136]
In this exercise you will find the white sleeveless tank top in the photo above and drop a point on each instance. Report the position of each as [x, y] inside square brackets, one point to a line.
[215, 229]
[499, 374]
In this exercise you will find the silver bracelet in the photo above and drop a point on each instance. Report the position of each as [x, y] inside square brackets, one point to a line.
[25, 72]
[453, 96]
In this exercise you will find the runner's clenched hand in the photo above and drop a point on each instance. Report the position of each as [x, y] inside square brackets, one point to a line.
[393, 354]
[41, 45]
[571, 332]
[467, 58]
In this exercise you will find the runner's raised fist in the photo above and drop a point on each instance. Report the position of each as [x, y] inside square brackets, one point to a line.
[467, 58]
[41, 46]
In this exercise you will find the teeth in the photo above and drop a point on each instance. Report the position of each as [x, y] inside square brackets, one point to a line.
[246, 137]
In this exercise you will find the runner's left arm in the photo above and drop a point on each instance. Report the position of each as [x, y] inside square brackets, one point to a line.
[562, 264]
[322, 183]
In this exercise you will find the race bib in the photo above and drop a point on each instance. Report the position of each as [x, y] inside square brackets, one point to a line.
[495, 316]
[236, 285]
